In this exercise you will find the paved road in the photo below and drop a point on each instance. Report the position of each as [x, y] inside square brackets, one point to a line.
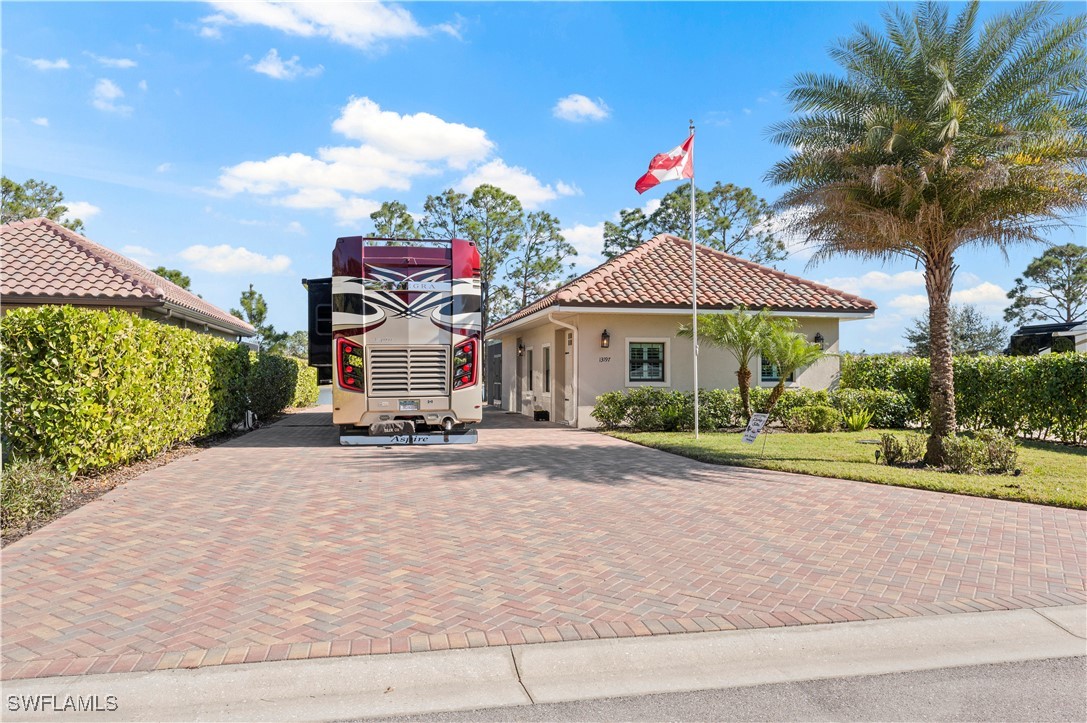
[1048, 690]
[284, 545]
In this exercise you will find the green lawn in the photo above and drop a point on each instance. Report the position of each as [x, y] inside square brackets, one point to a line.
[1052, 474]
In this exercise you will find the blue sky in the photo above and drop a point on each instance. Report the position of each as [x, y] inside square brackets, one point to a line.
[236, 142]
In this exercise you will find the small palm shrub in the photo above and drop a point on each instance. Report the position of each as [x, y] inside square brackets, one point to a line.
[858, 420]
[31, 489]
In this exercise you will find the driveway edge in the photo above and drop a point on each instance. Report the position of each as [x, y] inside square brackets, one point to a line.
[597, 630]
[379, 686]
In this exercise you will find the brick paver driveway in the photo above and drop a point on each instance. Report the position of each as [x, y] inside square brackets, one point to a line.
[283, 545]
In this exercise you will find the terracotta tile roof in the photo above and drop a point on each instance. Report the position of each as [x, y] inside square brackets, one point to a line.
[45, 261]
[657, 274]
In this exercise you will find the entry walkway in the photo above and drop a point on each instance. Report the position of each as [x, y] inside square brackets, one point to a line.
[283, 545]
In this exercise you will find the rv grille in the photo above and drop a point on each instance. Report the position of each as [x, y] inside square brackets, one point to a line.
[419, 371]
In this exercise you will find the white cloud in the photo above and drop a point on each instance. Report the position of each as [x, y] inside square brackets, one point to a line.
[43, 64]
[422, 136]
[394, 150]
[578, 108]
[651, 207]
[987, 296]
[275, 67]
[295, 227]
[515, 180]
[354, 210]
[140, 253]
[912, 304]
[360, 25]
[787, 227]
[313, 198]
[163, 167]
[119, 63]
[589, 242]
[876, 280]
[226, 259]
[43, 122]
[142, 85]
[81, 210]
[747, 111]
[358, 170]
[105, 96]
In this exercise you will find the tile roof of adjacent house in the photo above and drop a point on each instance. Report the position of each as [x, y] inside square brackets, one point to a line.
[657, 274]
[45, 261]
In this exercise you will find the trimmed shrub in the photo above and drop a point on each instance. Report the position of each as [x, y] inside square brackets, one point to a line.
[88, 389]
[653, 409]
[611, 409]
[964, 455]
[1028, 396]
[718, 409]
[272, 380]
[29, 490]
[910, 449]
[305, 385]
[890, 409]
[790, 400]
[1001, 452]
[816, 418]
[650, 409]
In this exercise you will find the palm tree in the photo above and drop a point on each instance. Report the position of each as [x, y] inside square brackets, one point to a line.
[788, 351]
[938, 138]
[742, 334]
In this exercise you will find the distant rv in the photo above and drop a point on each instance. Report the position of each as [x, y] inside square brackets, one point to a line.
[396, 330]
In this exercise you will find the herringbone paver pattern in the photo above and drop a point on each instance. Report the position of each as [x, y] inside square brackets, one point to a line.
[283, 545]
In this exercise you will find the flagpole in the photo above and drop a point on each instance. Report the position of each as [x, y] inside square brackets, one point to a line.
[694, 288]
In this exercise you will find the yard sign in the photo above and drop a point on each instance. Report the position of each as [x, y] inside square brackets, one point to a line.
[758, 421]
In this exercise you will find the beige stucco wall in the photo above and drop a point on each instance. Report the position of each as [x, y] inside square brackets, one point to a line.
[603, 370]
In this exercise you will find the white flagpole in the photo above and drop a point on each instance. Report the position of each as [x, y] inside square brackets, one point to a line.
[694, 289]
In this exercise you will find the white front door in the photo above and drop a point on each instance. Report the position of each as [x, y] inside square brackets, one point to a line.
[568, 379]
[546, 378]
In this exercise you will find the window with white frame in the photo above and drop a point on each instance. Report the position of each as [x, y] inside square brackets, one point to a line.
[646, 361]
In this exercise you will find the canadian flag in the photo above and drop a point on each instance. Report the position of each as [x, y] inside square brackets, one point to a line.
[671, 166]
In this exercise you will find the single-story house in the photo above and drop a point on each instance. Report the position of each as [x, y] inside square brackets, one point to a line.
[46, 263]
[615, 328]
[1049, 338]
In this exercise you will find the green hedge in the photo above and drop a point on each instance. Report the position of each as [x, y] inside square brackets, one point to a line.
[89, 389]
[277, 382]
[1028, 396]
[650, 409]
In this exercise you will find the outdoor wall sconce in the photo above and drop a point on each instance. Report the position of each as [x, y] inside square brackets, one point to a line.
[605, 340]
[520, 348]
[820, 340]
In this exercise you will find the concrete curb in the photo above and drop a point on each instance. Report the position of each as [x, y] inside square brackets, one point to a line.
[369, 686]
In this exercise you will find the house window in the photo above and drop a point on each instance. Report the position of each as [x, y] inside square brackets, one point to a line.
[528, 355]
[646, 361]
[768, 373]
[547, 369]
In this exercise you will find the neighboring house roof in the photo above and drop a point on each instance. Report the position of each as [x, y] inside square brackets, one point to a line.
[44, 262]
[1053, 328]
[657, 274]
